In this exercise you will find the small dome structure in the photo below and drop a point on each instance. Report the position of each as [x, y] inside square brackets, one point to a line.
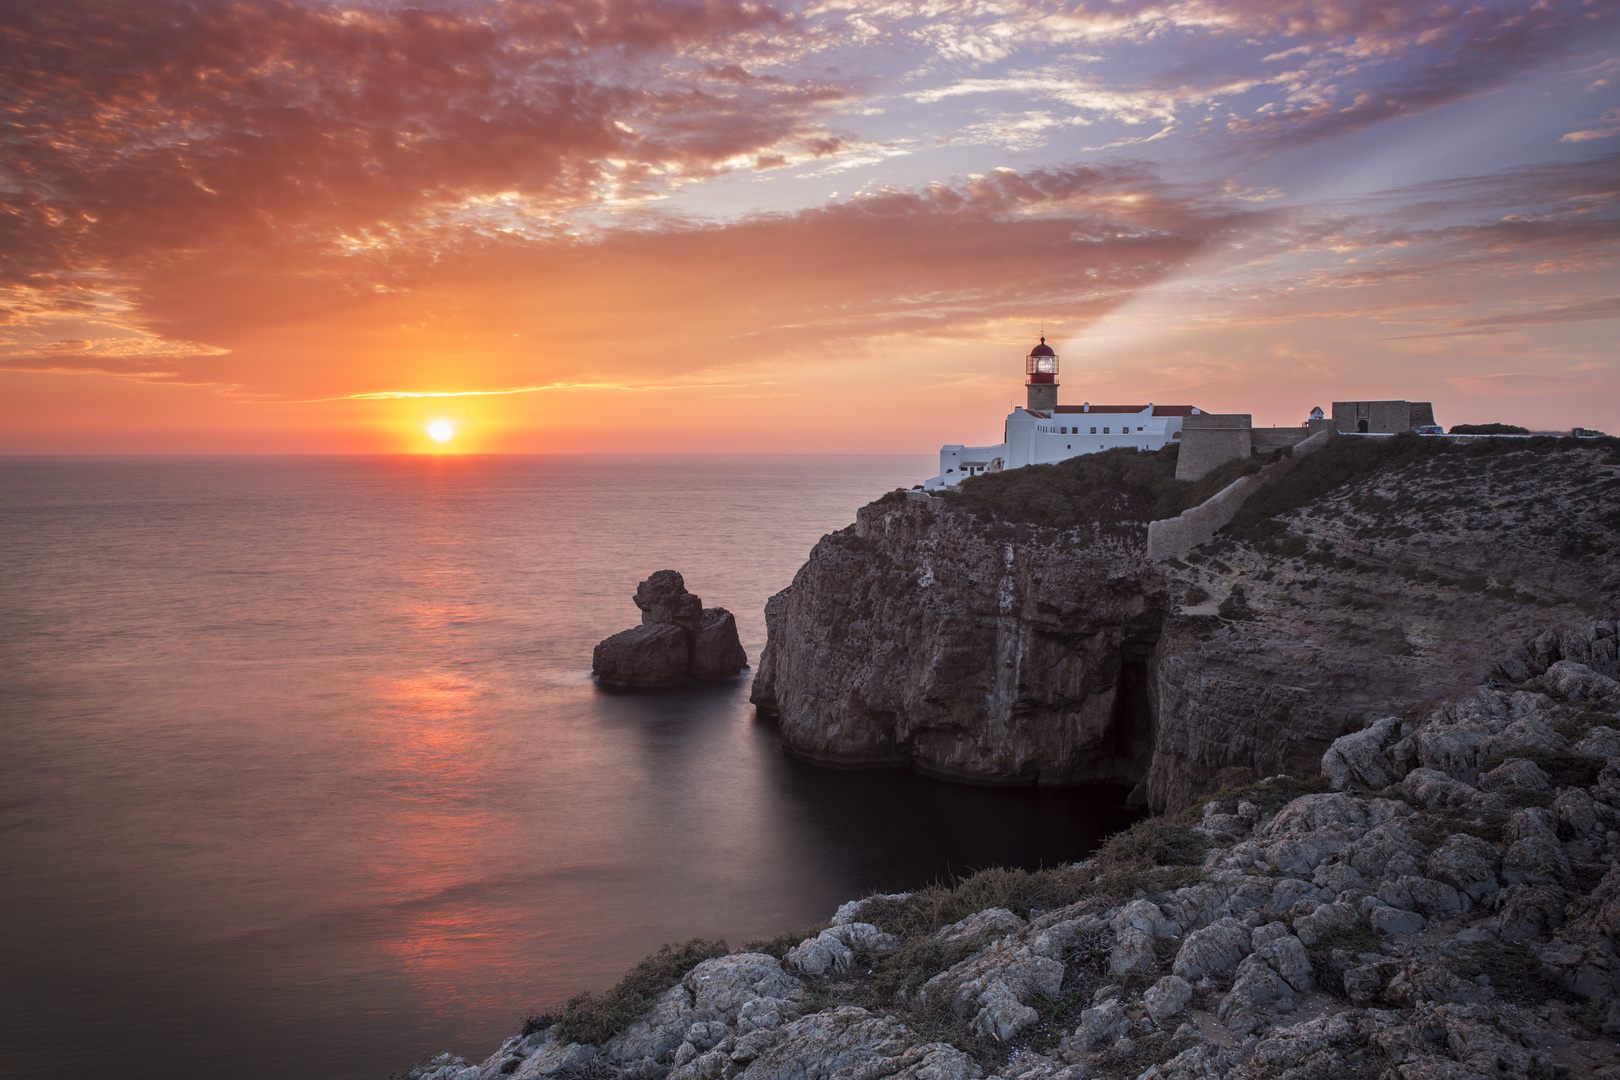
[1041, 365]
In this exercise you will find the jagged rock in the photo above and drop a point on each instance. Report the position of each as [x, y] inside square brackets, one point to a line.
[1390, 920]
[1418, 983]
[991, 922]
[1575, 682]
[1365, 984]
[1334, 916]
[1466, 863]
[854, 910]
[1534, 856]
[1285, 954]
[1431, 899]
[1167, 998]
[678, 639]
[1319, 1049]
[981, 985]
[1132, 953]
[1101, 1023]
[835, 948]
[553, 1058]
[1525, 911]
[1438, 791]
[1255, 984]
[715, 990]
[1385, 850]
[1143, 915]
[1362, 759]
[765, 1013]
[1601, 742]
[1055, 941]
[1215, 949]
[823, 1044]
[1517, 778]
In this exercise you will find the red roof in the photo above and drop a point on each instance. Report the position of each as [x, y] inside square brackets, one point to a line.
[1158, 410]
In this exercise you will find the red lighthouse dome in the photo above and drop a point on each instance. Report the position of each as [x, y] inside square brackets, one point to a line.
[1041, 365]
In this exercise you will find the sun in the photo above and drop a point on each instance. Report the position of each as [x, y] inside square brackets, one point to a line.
[441, 430]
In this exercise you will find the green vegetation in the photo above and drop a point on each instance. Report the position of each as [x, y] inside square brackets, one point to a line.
[1337, 951]
[1443, 825]
[589, 1018]
[1111, 487]
[779, 945]
[919, 960]
[1488, 429]
[1514, 970]
[1563, 769]
[1238, 785]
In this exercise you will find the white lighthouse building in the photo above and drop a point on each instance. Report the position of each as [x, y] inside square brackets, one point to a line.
[1044, 432]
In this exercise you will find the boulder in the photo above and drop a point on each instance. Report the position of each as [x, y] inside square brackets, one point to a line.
[1468, 864]
[1362, 759]
[716, 651]
[653, 654]
[1215, 949]
[1167, 998]
[678, 639]
[663, 599]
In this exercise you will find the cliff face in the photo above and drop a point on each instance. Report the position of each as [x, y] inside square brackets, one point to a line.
[1007, 653]
[1374, 598]
[919, 636]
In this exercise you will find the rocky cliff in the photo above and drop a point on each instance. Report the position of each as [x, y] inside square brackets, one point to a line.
[1011, 648]
[1441, 902]
[1000, 655]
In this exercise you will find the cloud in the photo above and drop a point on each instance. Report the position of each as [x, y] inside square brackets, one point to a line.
[152, 127]
[1607, 127]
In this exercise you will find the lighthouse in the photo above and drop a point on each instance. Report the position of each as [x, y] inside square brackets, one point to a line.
[1045, 433]
[1041, 366]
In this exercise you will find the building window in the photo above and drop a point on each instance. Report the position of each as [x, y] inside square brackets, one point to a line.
[1105, 431]
[1094, 431]
[1063, 431]
[1138, 429]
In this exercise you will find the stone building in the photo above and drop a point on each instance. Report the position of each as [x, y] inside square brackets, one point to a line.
[1381, 417]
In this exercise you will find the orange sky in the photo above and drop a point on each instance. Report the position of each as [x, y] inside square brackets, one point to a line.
[636, 225]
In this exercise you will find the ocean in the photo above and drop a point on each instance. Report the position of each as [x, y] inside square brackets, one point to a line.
[303, 772]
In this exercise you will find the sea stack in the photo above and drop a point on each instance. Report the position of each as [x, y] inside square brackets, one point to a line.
[678, 639]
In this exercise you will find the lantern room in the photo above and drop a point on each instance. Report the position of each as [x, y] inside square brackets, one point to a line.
[1041, 365]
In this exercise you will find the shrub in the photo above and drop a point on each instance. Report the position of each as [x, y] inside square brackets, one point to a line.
[589, 1018]
[1336, 952]
[1153, 842]
[779, 945]
[1488, 429]
[918, 961]
[1019, 891]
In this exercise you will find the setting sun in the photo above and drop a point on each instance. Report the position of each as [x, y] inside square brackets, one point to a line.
[441, 430]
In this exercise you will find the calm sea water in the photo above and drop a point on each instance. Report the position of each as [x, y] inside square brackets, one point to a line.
[303, 773]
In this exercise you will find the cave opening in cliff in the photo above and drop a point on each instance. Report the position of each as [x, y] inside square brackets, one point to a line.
[1130, 728]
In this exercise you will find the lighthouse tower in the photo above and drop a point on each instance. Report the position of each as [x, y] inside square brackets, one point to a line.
[1041, 365]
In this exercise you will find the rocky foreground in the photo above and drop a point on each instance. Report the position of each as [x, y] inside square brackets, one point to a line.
[1443, 902]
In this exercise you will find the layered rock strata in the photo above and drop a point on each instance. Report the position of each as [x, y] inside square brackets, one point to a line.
[920, 637]
[1444, 904]
[1010, 654]
[678, 639]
